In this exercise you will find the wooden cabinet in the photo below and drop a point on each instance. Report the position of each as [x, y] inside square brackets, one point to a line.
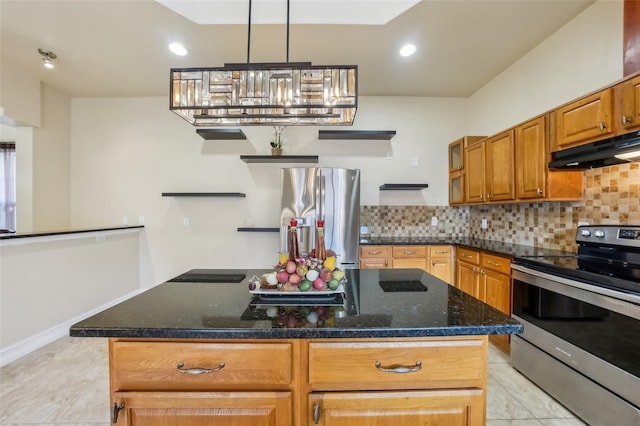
[385, 383]
[409, 257]
[629, 95]
[489, 169]
[440, 262]
[457, 164]
[585, 120]
[486, 277]
[429, 380]
[203, 408]
[434, 259]
[375, 257]
[534, 180]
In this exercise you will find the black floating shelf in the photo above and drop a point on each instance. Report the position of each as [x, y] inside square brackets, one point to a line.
[203, 194]
[253, 229]
[357, 134]
[279, 158]
[403, 186]
[221, 134]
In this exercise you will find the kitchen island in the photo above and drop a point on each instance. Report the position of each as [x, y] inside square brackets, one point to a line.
[398, 347]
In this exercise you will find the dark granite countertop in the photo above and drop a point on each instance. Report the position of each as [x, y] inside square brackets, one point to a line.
[489, 246]
[377, 303]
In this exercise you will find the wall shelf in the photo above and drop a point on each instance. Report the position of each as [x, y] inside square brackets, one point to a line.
[221, 134]
[279, 158]
[403, 186]
[203, 194]
[253, 229]
[356, 134]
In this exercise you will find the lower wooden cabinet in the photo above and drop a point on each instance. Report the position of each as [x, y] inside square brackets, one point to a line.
[486, 277]
[446, 407]
[434, 259]
[202, 408]
[394, 381]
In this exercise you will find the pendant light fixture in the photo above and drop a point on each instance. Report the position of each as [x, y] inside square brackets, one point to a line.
[286, 93]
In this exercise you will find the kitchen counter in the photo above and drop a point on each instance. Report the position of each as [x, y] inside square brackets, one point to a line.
[378, 303]
[496, 247]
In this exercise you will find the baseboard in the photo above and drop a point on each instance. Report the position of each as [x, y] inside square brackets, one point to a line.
[31, 343]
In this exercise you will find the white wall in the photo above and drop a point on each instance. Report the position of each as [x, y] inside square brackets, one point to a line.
[19, 95]
[47, 281]
[582, 56]
[126, 152]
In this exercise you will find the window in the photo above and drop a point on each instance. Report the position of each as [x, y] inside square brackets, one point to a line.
[7, 186]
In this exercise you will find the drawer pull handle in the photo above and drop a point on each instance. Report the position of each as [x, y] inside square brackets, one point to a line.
[441, 252]
[466, 255]
[375, 252]
[115, 409]
[409, 252]
[491, 262]
[197, 370]
[399, 368]
[316, 414]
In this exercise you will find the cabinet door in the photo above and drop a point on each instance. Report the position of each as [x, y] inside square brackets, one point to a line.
[500, 177]
[498, 291]
[630, 119]
[468, 280]
[429, 408]
[204, 408]
[441, 267]
[456, 155]
[531, 159]
[456, 188]
[475, 172]
[585, 120]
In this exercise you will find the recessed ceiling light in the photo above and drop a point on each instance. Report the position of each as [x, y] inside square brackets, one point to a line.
[408, 49]
[178, 49]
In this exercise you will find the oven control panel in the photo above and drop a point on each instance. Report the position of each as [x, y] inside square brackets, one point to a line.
[614, 235]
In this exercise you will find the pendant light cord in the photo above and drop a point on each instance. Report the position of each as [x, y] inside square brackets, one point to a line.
[287, 30]
[249, 35]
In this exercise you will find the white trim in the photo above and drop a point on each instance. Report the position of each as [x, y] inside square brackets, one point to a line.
[67, 236]
[30, 344]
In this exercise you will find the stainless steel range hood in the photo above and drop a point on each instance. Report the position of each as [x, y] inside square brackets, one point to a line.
[616, 150]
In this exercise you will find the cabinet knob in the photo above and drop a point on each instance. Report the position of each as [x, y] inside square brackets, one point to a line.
[481, 197]
[602, 126]
[488, 196]
[625, 120]
[539, 191]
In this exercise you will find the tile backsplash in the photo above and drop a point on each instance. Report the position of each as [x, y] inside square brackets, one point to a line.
[611, 196]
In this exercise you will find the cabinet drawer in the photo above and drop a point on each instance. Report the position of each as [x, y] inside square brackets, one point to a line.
[409, 252]
[154, 365]
[496, 263]
[375, 251]
[360, 366]
[374, 263]
[440, 251]
[467, 255]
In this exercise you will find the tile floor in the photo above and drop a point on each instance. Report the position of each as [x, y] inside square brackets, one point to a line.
[66, 383]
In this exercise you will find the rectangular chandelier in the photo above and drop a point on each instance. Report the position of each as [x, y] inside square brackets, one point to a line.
[291, 93]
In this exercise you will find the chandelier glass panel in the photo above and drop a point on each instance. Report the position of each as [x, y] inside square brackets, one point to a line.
[291, 93]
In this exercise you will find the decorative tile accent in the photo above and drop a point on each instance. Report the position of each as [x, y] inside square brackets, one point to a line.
[611, 196]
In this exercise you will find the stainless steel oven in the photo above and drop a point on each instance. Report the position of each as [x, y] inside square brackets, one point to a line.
[581, 339]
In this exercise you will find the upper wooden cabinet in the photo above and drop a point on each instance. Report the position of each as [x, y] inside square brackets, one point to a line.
[457, 164]
[585, 120]
[489, 169]
[534, 180]
[629, 92]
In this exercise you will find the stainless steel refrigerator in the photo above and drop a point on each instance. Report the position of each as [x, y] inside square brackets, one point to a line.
[331, 194]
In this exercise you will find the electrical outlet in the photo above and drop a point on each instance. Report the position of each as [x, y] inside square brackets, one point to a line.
[185, 222]
[434, 221]
[414, 161]
[249, 221]
[484, 224]
[141, 220]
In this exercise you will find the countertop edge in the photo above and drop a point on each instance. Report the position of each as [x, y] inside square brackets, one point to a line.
[9, 239]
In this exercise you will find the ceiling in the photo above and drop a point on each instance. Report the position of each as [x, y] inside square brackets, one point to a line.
[109, 48]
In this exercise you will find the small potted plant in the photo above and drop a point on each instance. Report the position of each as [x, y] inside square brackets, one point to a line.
[277, 140]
